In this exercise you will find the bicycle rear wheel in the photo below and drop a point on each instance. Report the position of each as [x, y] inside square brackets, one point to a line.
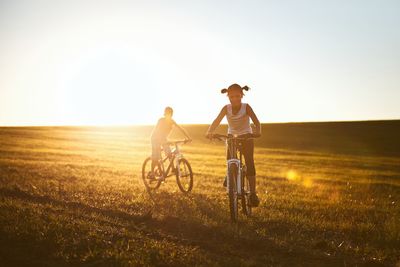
[232, 191]
[152, 181]
[184, 175]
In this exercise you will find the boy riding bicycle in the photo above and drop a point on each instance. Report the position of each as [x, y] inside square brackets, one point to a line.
[238, 115]
[160, 134]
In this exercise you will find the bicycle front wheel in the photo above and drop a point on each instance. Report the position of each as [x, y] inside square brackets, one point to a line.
[184, 175]
[232, 190]
[151, 179]
[246, 197]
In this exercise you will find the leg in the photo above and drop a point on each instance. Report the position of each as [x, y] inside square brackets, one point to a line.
[167, 152]
[248, 153]
[155, 154]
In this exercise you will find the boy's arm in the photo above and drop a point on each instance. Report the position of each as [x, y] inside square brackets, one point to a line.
[255, 120]
[216, 122]
[182, 130]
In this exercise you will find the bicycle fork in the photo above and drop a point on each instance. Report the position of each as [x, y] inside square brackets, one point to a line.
[235, 163]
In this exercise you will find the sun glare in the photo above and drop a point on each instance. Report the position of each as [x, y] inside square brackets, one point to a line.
[291, 175]
[294, 176]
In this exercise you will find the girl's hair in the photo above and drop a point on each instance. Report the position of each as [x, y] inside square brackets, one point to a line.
[235, 86]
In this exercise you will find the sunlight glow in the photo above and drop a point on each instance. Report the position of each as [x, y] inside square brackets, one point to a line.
[294, 176]
[122, 62]
[307, 182]
[291, 175]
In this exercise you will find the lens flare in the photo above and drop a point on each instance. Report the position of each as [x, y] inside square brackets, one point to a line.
[291, 175]
[307, 182]
[294, 176]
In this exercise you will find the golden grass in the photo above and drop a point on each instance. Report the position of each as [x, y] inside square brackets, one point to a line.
[75, 196]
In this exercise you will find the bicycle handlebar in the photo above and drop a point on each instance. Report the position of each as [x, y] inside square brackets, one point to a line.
[229, 137]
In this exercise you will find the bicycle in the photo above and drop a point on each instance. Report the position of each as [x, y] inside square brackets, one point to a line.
[238, 187]
[178, 166]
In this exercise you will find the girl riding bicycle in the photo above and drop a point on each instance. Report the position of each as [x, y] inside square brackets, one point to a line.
[238, 115]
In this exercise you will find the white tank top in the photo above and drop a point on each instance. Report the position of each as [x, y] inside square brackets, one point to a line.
[239, 123]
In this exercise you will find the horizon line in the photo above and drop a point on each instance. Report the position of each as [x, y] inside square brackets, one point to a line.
[146, 125]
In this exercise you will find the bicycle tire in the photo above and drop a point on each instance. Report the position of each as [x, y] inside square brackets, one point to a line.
[150, 183]
[232, 192]
[188, 173]
[247, 209]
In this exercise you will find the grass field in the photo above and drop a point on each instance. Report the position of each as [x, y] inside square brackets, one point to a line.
[330, 196]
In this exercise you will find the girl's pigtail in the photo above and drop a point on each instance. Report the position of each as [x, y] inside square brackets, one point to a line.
[224, 91]
[246, 88]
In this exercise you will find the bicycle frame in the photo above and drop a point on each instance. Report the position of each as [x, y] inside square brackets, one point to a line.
[153, 176]
[240, 190]
[174, 159]
[232, 148]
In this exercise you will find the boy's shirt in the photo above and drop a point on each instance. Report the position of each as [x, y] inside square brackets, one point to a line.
[162, 129]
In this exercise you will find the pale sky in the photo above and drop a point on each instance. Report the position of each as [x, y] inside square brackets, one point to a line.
[121, 62]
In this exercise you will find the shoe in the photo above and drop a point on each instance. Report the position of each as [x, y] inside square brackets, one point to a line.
[254, 201]
[151, 176]
[225, 184]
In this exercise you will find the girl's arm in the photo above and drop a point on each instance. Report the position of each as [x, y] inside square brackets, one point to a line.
[216, 122]
[255, 120]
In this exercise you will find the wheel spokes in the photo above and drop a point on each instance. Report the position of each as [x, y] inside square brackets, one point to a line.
[151, 178]
[183, 173]
[184, 176]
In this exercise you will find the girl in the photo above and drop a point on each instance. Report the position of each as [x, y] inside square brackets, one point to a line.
[238, 115]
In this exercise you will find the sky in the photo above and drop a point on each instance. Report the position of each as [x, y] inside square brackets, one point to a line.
[121, 62]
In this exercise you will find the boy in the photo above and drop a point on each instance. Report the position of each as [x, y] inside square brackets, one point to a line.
[160, 134]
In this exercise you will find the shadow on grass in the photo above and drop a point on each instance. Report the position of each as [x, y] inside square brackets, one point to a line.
[227, 243]
[18, 193]
[207, 226]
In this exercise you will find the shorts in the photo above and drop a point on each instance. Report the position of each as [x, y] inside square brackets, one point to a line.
[156, 147]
